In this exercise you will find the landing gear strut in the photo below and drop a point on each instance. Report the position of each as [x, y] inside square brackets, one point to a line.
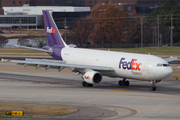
[153, 87]
[124, 82]
[85, 84]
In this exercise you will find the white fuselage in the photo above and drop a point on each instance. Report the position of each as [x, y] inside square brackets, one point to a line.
[125, 65]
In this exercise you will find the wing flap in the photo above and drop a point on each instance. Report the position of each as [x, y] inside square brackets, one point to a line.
[57, 64]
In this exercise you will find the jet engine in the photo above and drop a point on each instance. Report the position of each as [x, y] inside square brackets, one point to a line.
[92, 77]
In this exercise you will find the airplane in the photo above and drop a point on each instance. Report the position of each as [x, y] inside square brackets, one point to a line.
[94, 64]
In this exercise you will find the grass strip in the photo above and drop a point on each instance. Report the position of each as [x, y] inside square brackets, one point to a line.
[147, 50]
[158, 51]
[18, 50]
[35, 110]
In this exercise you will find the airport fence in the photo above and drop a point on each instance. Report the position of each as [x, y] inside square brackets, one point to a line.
[7, 46]
[105, 46]
[119, 45]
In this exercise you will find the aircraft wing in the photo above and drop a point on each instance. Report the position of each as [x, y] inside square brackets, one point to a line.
[57, 64]
[171, 59]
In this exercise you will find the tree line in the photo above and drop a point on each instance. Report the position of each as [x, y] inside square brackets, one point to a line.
[107, 24]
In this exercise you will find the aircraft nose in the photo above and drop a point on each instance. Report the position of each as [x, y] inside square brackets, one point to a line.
[168, 72]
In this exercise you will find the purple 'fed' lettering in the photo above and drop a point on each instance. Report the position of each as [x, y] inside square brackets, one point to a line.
[125, 65]
[129, 65]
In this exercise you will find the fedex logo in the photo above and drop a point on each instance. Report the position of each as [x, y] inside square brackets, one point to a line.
[50, 30]
[132, 65]
[87, 77]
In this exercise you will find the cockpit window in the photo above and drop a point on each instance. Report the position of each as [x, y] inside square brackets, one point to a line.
[164, 65]
[159, 65]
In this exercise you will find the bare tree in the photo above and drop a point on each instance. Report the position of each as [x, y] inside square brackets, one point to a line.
[3, 41]
[37, 37]
[80, 34]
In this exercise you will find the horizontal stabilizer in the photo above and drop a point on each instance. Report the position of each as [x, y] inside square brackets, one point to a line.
[33, 48]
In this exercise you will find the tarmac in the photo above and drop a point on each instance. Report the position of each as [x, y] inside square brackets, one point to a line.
[103, 101]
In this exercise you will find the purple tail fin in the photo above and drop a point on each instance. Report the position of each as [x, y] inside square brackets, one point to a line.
[52, 32]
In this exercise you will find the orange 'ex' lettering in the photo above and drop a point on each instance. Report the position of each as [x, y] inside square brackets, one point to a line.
[137, 65]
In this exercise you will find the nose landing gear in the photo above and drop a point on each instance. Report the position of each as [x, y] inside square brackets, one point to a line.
[153, 87]
[124, 82]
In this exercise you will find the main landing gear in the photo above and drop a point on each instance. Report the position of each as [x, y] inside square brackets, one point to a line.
[85, 84]
[124, 82]
[153, 87]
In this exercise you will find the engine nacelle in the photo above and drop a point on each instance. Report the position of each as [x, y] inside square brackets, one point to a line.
[92, 77]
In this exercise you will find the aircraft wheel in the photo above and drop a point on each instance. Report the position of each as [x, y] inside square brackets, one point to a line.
[127, 83]
[87, 85]
[120, 83]
[84, 84]
[123, 83]
[153, 88]
[90, 85]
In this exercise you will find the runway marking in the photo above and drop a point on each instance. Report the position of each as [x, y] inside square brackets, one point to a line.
[162, 89]
[90, 101]
[137, 89]
[133, 112]
[157, 96]
[115, 108]
[61, 83]
[7, 80]
[123, 90]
